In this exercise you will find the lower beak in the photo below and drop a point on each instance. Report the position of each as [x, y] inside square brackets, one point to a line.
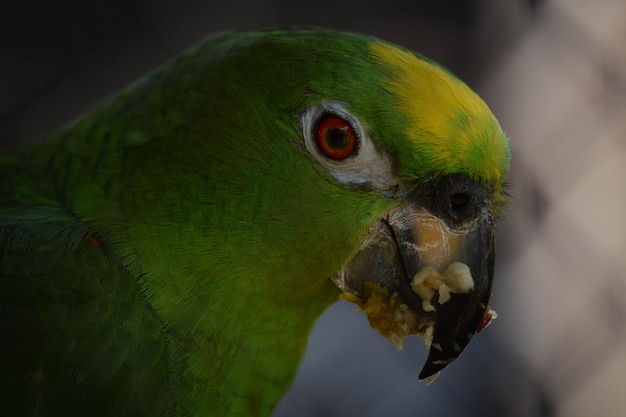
[413, 274]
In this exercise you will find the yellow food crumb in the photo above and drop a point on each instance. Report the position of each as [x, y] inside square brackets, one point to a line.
[457, 278]
[432, 378]
[386, 313]
[428, 336]
[424, 284]
[393, 319]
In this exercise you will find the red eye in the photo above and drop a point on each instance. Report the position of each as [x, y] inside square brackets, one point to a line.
[335, 137]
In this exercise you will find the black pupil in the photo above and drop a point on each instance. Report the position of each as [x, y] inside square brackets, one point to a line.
[337, 138]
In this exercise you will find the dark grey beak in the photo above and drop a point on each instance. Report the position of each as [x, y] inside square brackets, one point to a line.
[406, 278]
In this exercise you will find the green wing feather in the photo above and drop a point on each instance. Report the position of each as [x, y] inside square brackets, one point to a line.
[77, 337]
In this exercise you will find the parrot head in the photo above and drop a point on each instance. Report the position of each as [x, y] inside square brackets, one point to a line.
[426, 266]
[367, 165]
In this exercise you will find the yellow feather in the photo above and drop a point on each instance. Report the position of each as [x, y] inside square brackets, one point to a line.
[447, 121]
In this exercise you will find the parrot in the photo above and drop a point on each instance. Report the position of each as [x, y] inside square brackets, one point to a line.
[168, 252]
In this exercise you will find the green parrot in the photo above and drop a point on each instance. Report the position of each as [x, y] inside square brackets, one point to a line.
[167, 253]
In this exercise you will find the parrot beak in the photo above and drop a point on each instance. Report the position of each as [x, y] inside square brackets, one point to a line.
[413, 274]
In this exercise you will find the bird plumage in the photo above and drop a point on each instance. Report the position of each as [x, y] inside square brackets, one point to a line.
[167, 253]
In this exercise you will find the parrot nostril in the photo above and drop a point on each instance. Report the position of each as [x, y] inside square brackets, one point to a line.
[459, 202]
[457, 199]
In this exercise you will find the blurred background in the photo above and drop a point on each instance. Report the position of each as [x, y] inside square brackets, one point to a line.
[553, 72]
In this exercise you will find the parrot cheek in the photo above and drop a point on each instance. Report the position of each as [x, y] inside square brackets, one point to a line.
[413, 274]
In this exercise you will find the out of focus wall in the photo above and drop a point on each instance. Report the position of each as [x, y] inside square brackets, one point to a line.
[561, 94]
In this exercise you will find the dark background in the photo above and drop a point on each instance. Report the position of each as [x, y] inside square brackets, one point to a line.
[553, 73]
[58, 57]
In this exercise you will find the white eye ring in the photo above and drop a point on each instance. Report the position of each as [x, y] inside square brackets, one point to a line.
[311, 121]
[366, 166]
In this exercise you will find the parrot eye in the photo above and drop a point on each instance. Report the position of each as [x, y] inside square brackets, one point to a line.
[338, 140]
[335, 137]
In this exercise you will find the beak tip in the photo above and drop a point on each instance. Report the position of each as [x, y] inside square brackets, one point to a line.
[456, 324]
[430, 369]
[439, 358]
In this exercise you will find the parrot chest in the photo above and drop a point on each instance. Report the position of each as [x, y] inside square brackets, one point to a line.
[241, 358]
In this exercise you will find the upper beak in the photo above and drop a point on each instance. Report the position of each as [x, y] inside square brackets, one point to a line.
[432, 275]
